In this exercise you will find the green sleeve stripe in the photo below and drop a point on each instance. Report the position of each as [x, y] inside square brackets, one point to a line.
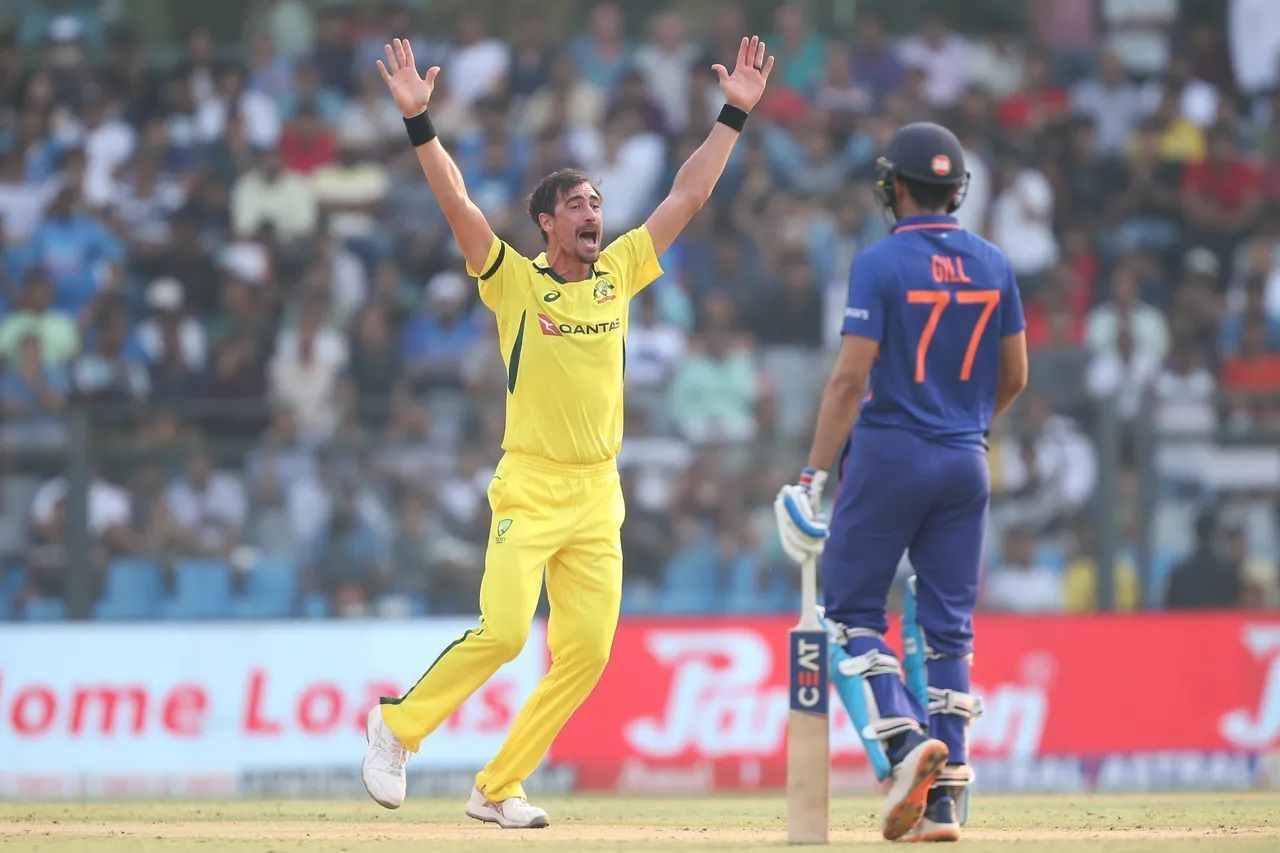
[513, 363]
[497, 262]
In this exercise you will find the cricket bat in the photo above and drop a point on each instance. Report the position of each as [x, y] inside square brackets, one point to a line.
[808, 734]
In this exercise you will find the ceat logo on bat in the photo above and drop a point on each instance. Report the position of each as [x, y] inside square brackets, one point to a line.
[941, 165]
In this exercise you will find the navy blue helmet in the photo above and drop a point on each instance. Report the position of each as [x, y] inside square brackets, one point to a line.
[924, 152]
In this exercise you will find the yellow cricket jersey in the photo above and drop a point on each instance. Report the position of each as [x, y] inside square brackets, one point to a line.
[564, 344]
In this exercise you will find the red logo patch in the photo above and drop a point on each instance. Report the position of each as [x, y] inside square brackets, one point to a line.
[549, 326]
[941, 165]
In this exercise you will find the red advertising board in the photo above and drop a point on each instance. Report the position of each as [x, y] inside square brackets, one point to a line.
[701, 704]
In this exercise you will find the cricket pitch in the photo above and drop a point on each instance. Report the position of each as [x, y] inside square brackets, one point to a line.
[1116, 822]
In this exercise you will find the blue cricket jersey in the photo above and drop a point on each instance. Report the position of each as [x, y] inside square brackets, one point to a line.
[938, 300]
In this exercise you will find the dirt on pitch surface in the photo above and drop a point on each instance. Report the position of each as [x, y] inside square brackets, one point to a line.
[1167, 823]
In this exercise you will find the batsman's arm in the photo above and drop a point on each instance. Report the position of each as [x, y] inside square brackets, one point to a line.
[1013, 371]
[412, 94]
[698, 176]
[841, 399]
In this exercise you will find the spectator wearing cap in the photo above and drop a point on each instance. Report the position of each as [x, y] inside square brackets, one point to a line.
[1022, 221]
[170, 324]
[78, 253]
[306, 370]
[57, 330]
[267, 195]
[435, 342]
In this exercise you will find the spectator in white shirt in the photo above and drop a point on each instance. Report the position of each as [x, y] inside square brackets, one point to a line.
[203, 511]
[1145, 322]
[1112, 101]
[479, 64]
[1022, 221]
[1020, 584]
[665, 62]
[305, 373]
[942, 55]
[268, 195]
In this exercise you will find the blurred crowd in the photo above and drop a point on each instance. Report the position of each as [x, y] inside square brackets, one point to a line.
[233, 265]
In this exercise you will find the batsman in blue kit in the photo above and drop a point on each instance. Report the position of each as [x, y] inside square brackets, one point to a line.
[933, 349]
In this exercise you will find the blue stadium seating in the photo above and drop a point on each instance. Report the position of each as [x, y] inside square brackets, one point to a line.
[11, 583]
[133, 590]
[202, 591]
[315, 606]
[271, 589]
[45, 610]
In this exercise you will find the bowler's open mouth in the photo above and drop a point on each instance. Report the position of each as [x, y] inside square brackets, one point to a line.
[589, 239]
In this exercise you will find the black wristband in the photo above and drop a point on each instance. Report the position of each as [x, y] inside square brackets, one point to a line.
[420, 129]
[733, 117]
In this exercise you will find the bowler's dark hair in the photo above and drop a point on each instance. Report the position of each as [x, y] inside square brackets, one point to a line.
[551, 189]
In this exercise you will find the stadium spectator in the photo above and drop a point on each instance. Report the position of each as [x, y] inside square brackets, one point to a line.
[1019, 582]
[203, 510]
[268, 196]
[305, 371]
[77, 251]
[1208, 577]
[1220, 193]
[602, 54]
[347, 560]
[715, 390]
[941, 55]
[56, 330]
[33, 398]
[1125, 310]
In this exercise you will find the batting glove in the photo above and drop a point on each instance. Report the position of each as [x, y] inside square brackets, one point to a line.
[801, 524]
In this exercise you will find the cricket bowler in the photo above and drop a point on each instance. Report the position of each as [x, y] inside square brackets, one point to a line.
[933, 348]
[556, 499]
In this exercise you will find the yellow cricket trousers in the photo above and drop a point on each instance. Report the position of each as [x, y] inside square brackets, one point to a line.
[566, 519]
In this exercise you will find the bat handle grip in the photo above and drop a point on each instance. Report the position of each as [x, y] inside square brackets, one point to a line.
[809, 586]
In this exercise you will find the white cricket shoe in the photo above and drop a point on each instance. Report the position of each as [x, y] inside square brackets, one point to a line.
[912, 778]
[938, 824]
[383, 767]
[511, 813]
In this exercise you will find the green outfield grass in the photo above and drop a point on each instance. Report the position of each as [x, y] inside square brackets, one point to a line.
[1168, 823]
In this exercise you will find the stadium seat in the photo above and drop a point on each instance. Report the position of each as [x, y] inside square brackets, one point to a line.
[45, 610]
[133, 590]
[270, 590]
[202, 591]
[315, 606]
[690, 582]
